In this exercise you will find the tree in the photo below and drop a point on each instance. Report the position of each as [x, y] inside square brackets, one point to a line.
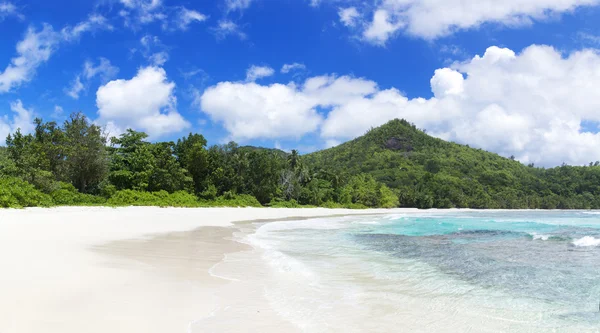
[263, 175]
[192, 155]
[86, 161]
[132, 162]
[294, 159]
[32, 157]
[167, 174]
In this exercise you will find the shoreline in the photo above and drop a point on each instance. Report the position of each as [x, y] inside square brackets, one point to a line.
[73, 269]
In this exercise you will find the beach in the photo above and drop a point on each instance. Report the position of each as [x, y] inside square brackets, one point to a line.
[317, 270]
[137, 269]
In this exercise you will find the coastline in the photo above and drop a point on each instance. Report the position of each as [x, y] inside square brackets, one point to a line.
[95, 269]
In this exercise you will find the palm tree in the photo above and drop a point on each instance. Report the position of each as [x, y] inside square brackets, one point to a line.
[294, 159]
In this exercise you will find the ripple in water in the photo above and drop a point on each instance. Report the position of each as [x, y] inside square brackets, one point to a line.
[528, 271]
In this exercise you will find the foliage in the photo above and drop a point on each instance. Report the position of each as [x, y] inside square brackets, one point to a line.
[67, 195]
[86, 158]
[395, 165]
[427, 172]
[242, 200]
[160, 198]
[17, 193]
[287, 204]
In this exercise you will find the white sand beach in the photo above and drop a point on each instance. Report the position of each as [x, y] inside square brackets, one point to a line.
[78, 269]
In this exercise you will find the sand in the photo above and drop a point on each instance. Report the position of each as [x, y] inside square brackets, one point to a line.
[77, 269]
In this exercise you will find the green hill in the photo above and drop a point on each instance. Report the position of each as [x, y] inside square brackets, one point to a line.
[428, 172]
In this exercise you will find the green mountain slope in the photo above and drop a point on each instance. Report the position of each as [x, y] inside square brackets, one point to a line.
[428, 172]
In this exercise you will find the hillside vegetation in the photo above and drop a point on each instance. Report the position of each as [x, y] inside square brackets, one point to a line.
[428, 172]
[395, 165]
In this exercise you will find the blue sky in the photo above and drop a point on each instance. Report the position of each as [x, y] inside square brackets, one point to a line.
[517, 77]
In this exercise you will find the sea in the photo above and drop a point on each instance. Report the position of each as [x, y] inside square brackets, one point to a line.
[434, 271]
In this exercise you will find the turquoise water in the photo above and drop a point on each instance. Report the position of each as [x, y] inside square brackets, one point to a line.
[519, 271]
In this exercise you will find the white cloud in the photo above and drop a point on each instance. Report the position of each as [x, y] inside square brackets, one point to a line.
[9, 9]
[330, 143]
[447, 82]
[22, 119]
[233, 5]
[58, 112]
[34, 50]
[93, 23]
[159, 58]
[188, 16]
[292, 67]
[136, 13]
[154, 50]
[589, 38]
[435, 18]
[249, 110]
[227, 28]
[146, 102]
[37, 46]
[258, 72]
[105, 70]
[381, 28]
[530, 105]
[349, 16]
[139, 12]
[76, 88]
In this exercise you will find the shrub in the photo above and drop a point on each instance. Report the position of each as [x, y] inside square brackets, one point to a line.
[17, 193]
[161, 198]
[240, 200]
[278, 203]
[67, 195]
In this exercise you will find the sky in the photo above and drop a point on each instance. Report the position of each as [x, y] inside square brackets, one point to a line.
[516, 77]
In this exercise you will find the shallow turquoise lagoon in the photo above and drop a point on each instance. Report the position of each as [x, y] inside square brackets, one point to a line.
[478, 271]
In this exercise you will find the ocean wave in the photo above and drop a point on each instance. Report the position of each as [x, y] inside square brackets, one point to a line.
[586, 241]
[591, 213]
[540, 237]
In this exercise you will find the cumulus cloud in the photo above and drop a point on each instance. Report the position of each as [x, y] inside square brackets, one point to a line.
[531, 105]
[258, 72]
[105, 70]
[37, 46]
[292, 67]
[435, 18]
[249, 110]
[22, 119]
[146, 102]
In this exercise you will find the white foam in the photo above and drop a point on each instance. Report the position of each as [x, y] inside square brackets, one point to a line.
[539, 237]
[587, 241]
[591, 213]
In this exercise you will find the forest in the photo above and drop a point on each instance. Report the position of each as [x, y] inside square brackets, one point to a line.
[395, 165]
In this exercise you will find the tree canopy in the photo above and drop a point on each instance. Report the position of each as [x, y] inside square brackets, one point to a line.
[395, 165]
